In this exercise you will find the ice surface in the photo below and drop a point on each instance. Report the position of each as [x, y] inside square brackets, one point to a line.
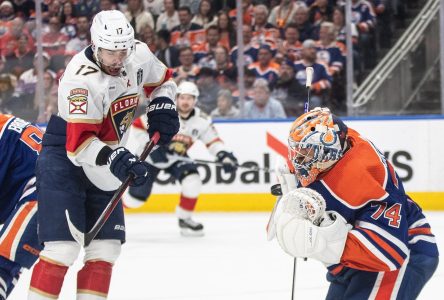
[232, 261]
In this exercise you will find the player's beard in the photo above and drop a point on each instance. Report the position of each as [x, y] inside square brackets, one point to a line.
[111, 70]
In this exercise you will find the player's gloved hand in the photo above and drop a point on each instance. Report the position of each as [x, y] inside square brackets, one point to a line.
[162, 117]
[159, 155]
[228, 160]
[122, 163]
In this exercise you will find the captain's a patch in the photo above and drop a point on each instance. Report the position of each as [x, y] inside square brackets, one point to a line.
[78, 101]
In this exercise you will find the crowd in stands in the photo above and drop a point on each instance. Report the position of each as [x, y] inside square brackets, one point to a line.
[197, 38]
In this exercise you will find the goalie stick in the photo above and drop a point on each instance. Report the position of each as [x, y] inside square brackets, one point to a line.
[85, 239]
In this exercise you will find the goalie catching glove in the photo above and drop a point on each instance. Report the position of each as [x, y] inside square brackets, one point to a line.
[162, 117]
[304, 229]
[228, 161]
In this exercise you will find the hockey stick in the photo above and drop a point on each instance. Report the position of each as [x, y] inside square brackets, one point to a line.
[217, 163]
[309, 72]
[85, 239]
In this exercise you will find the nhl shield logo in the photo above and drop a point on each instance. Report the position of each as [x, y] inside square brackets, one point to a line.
[139, 76]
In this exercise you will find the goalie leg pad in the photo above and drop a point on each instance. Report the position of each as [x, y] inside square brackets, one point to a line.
[103, 250]
[301, 238]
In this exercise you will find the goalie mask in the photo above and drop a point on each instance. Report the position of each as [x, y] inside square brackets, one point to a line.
[112, 39]
[317, 141]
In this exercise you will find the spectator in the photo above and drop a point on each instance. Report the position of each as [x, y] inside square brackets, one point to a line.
[23, 8]
[24, 93]
[155, 7]
[87, 7]
[364, 18]
[251, 48]
[7, 12]
[249, 79]
[192, 4]
[206, 16]
[187, 69]
[262, 30]
[106, 5]
[282, 14]
[54, 41]
[203, 53]
[209, 89]
[69, 20]
[147, 36]
[320, 11]
[289, 91]
[224, 68]
[49, 97]
[138, 16]
[226, 30]
[6, 91]
[169, 18]
[187, 33]
[329, 52]
[82, 38]
[9, 41]
[54, 10]
[321, 82]
[263, 106]
[290, 47]
[21, 59]
[265, 67]
[225, 108]
[248, 10]
[167, 54]
[339, 24]
[305, 28]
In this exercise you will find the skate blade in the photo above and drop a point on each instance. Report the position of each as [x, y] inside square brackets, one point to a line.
[191, 233]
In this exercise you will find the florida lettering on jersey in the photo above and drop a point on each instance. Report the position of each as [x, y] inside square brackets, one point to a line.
[99, 108]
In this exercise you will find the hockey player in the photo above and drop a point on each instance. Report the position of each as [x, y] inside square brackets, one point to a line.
[173, 159]
[20, 143]
[83, 160]
[374, 239]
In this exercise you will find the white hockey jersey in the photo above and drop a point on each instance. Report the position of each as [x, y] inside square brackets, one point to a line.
[198, 126]
[99, 108]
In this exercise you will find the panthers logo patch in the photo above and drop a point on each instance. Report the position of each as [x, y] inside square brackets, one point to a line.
[122, 112]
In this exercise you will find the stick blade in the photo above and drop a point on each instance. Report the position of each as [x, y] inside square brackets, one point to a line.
[76, 234]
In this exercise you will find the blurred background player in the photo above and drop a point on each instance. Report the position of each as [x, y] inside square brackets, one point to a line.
[83, 160]
[174, 160]
[20, 143]
[375, 240]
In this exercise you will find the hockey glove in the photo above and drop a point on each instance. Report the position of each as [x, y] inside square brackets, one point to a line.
[159, 155]
[122, 163]
[228, 160]
[162, 117]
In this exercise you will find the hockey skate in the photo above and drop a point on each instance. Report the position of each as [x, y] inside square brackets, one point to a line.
[189, 227]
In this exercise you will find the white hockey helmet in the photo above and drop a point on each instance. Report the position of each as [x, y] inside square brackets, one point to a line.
[111, 30]
[188, 88]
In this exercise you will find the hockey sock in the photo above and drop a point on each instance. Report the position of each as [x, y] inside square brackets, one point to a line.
[187, 203]
[93, 280]
[47, 280]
